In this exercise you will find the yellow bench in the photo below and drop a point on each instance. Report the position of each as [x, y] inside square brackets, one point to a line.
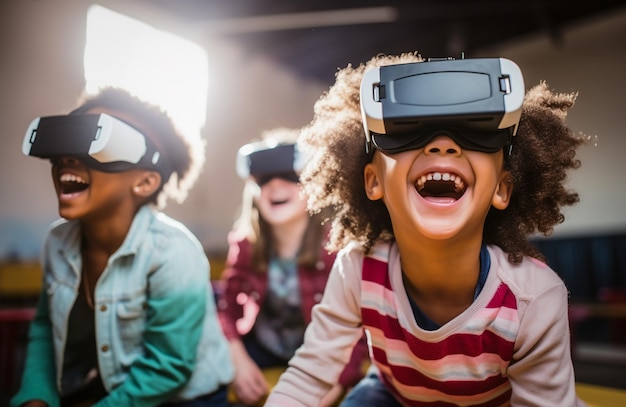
[593, 395]
[20, 279]
[601, 396]
[271, 375]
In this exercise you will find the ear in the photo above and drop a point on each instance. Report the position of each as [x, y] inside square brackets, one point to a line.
[146, 184]
[502, 194]
[373, 188]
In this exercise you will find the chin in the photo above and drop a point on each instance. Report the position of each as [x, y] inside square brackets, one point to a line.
[68, 213]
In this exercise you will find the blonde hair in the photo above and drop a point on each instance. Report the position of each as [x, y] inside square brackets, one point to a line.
[258, 232]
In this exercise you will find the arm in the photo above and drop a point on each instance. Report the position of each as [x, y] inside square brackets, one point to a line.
[39, 376]
[541, 372]
[312, 286]
[238, 281]
[249, 383]
[176, 301]
[237, 311]
[351, 375]
[356, 367]
[329, 339]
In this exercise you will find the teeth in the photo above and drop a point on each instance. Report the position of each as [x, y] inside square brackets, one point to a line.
[72, 178]
[459, 185]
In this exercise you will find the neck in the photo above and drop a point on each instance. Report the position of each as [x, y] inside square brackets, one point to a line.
[443, 269]
[105, 236]
[441, 276]
[288, 237]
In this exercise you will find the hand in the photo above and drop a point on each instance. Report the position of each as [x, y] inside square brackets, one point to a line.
[332, 397]
[249, 383]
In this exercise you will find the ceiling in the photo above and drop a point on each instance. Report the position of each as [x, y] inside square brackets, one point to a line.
[317, 37]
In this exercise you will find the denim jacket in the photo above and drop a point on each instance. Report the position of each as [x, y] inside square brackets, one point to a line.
[157, 333]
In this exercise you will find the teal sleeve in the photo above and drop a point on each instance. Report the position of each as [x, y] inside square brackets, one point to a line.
[39, 376]
[176, 310]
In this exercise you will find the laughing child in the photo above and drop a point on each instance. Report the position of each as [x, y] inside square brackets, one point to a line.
[436, 201]
[126, 315]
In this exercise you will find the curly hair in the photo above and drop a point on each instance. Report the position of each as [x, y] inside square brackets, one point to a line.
[543, 152]
[185, 153]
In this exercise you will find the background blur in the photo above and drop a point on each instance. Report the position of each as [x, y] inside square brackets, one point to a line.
[267, 62]
[261, 79]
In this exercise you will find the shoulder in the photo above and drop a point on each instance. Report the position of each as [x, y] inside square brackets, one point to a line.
[238, 237]
[350, 258]
[164, 243]
[529, 278]
[168, 231]
[239, 247]
[382, 251]
[61, 227]
[351, 250]
[63, 232]
[161, 243]
[354, 252]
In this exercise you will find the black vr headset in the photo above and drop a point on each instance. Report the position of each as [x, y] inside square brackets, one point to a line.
[101, 141]
[476, 102]
[264, 160]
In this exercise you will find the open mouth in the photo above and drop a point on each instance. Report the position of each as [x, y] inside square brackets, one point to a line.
[440, 185]
[279, 202]
[70, 184]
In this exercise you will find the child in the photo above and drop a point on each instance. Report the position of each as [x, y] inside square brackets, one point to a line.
[434, 215]
[126, 315]
[276, 269]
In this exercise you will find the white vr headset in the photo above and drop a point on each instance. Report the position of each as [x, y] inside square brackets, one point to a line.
[477, 102]
[103, 142]
[265, 159]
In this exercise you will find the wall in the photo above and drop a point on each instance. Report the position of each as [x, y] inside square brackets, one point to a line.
[589, 60]
[41, 73]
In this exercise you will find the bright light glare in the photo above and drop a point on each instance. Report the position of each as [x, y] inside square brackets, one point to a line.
[154, 65]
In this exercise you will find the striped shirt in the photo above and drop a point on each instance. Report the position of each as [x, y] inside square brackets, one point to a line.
[465, 367]
[509, 347]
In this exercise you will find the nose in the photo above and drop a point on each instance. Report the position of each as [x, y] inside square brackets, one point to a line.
[442, 145]
[69, 160]
[65, 160]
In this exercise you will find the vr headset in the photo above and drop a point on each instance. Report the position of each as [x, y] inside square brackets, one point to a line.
[264, 160]
[476, 102]
[101, 141]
